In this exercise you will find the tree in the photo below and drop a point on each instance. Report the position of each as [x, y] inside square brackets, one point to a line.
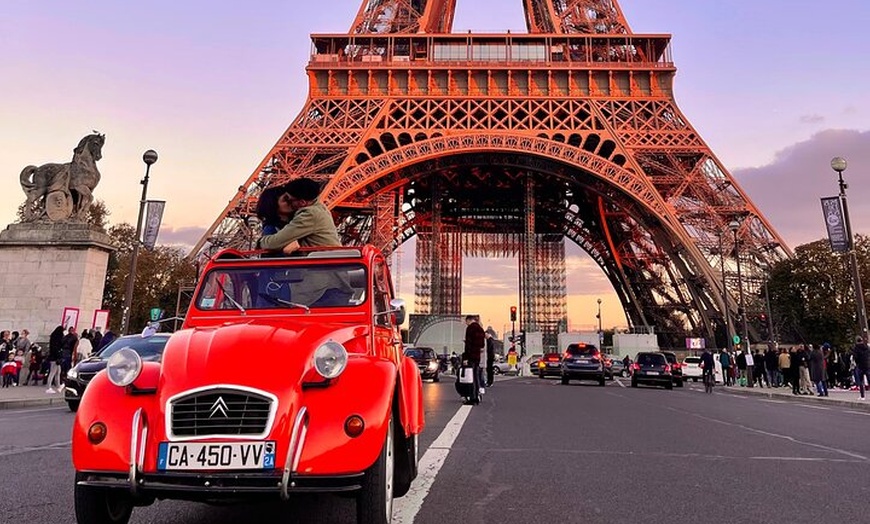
[98, 214]
[160, 273]
[811, 294]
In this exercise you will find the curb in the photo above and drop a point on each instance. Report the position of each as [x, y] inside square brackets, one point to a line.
[803, 399]
[19, 403]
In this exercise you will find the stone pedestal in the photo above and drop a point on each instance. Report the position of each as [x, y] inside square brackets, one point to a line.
[46, 267]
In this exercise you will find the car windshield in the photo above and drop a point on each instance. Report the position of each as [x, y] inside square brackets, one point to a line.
[578, 350]
[149, 348]
[649, 359]
[671, 357]
[420, 353]
[297, 286]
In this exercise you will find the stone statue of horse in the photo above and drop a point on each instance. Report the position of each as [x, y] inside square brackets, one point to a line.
[63, 191]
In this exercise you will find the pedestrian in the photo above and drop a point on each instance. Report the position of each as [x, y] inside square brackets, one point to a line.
[86, 346]
[760, 370]
[6, 346]
[68, 345]
[783, 362]
[490, 359]
[771, 364]
[35, 364]
[55, 357]
[107, 339]
[816, 366]
[861, 355]
[725, 361]
[97, 338]
[475, 342]
[24, 345]
[312, 223]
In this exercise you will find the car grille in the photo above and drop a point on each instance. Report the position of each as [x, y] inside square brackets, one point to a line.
[220, 412]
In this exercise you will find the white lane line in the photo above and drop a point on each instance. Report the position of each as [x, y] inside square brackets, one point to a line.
[407, 507]
[619, 382]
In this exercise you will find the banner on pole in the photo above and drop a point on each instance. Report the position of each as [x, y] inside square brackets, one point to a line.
[832, 208]
[153, 217]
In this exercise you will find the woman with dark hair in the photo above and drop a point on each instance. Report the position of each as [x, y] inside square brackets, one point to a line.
[55, 356]
[274, 209]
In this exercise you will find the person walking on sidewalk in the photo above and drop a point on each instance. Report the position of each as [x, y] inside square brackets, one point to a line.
[725, 360]
[861, 355]
[55, 356]
[784, 362]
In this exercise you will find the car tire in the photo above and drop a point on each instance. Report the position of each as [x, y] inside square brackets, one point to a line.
[496, 370]
[407, 459]
[73, 405]
[623, 373]
[694, 379]
[374, 503]
[680, 383]
[101, 506]
[436, 378]
[565, 380]
[669, 386]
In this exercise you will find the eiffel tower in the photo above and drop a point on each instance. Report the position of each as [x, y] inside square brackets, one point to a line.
[498, 145]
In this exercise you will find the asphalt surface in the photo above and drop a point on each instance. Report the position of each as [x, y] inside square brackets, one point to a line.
[537, 451]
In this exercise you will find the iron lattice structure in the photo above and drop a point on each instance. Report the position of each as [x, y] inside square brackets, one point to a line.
[506, 145]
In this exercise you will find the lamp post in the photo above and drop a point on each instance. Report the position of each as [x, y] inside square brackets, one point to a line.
[600, 332]
[839, 165]
[771, 339]
[149, 157]
[726, 310]
[734, 226]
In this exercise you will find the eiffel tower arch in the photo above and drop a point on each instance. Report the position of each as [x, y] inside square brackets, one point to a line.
[509, 144]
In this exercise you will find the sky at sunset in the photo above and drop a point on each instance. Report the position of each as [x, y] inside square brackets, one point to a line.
[776, 87]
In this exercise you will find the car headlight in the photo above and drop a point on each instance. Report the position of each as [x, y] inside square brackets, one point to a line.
[433, 365]
[330, 359]
[124, 367]
[73, 373]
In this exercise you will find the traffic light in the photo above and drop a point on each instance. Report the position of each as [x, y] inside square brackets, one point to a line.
[513, 313]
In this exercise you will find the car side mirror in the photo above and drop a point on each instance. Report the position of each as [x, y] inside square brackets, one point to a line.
[397, 307]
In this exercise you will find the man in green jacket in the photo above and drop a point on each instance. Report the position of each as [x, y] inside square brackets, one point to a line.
[311, 225]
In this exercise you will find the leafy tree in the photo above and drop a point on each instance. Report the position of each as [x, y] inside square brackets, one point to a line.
[98, 214]
[160, 272]
[811, 294]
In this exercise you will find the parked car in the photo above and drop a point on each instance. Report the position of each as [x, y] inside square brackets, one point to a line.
[614, 366]
[582, 362]
[550, 365]
[501, 368]
[338, 411]
[79, 376]
[676, 368]
[427, 362]
[653, 369]
[692, 368]
[533, 362]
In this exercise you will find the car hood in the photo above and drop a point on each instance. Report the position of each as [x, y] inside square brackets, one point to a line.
[91, 365]
[258, 354]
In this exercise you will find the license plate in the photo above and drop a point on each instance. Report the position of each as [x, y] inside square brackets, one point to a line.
[652, 372]
[553, 364]
[582, 361]
[215, 455]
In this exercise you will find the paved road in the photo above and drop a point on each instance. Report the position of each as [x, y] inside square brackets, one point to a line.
[537, 451]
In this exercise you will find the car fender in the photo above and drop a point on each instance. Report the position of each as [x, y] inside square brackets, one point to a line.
[410, 397]
[113, 453]
[365, 388]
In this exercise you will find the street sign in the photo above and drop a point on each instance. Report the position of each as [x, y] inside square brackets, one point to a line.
[156, 314]
[736, 339]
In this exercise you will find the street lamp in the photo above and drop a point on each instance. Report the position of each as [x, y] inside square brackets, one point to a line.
[600, 332]
[149, 157]
[839, 165]
[734, 226]
[726, 310]
[771, 339]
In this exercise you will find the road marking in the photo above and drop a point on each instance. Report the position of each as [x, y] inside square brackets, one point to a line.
[9, 450]
[619, 382]
[407, 507]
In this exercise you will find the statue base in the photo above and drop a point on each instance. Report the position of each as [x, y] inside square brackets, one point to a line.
[48, 270]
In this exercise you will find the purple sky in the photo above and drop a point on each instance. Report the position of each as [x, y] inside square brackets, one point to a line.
[775, 87]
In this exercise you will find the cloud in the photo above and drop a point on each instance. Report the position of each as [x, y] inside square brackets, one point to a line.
[181, 237]
[787, 191]
[812, 119]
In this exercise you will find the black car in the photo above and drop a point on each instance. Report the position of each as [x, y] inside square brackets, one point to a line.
[150, 348]
[550, 365]
[653, 369]
[427, 362]
[583, 362]
[676, 368]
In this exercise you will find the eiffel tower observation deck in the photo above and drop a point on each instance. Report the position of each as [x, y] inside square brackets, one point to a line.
[507, 145]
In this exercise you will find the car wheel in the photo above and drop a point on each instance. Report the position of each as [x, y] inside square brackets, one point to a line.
[623, 373]
[101, 506]
[694, 379]
[541, 375]
[669, 386]
[602, 382]
[374, 503]
[407, 458]
[496, 370]
[73, 405]
[680, 383]
[436, 378]
[565, 380]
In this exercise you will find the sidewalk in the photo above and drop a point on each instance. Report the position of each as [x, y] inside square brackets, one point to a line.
[28, 396]
[837, 397]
